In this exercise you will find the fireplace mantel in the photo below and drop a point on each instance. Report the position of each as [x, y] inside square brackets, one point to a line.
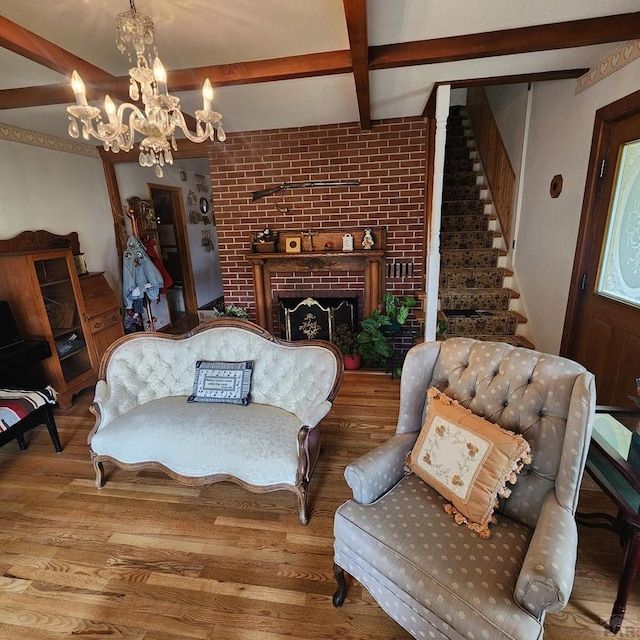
[371, 262]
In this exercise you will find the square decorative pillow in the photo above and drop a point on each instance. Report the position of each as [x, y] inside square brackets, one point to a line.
[226, 382]
[468, 460]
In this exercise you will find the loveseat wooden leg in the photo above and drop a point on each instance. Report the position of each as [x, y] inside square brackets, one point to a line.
[302, 504]
[99, 470]
[341, 592]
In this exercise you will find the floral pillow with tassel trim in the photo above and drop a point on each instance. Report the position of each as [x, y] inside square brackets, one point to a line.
[468, 460]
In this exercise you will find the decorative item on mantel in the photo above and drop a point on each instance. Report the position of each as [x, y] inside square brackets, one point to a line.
[347, 242]
[148, 82]
[265, 241]
[367, 239]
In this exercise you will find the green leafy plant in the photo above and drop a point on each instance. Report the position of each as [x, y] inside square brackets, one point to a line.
[231, 311]
[375, 345]
[397, 309]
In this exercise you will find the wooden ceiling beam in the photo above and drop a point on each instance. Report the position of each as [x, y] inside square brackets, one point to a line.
[356, 16]
[33, 47]
[272, 70]
[524, 78]
[561, 35]
[289, 68]
[54, 94]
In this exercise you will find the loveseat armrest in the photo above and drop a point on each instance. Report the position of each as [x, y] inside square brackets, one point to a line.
[548, 570]
[376, 472]
[312, 415]
[100, 406]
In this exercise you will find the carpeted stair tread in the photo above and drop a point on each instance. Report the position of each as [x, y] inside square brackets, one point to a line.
[458, 164]
[456, 153]
[465, 192]
[469, 259]
[492, 299]
[466, 240]
[481, 322]
[462, 207]
[486, 278]
[460, 178]
[476, 222]
[459, 139]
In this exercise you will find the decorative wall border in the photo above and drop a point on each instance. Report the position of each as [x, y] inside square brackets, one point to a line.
[36, 139]
[618, 58]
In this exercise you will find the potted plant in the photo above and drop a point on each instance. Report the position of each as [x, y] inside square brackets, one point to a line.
[231, 311]
[397, 309]
[391, 314]
[346, 339]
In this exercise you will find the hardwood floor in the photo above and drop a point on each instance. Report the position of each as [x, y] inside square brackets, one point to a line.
[147, 558]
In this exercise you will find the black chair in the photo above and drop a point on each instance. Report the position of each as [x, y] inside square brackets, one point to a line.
[23, 409]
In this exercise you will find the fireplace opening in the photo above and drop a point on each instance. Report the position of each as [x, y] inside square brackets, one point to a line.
[316, 318]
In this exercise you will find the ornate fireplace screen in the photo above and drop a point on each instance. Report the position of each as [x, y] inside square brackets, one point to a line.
[315, 318]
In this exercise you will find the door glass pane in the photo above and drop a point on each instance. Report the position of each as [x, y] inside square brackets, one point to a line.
[619, 276]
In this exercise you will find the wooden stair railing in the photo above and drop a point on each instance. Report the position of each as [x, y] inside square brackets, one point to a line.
[495, 159]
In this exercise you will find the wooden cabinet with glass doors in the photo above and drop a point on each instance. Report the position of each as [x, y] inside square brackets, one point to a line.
[44, 293]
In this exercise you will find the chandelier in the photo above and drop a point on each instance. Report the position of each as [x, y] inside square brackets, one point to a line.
[160, 114]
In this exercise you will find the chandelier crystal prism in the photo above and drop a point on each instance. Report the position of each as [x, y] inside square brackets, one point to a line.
[160, 114]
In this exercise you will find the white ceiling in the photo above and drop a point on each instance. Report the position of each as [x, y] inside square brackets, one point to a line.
[196, 33]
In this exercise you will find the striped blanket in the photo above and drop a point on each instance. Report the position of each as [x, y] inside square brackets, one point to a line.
[16, 404]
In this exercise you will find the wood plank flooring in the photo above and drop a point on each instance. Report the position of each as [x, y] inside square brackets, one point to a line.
[147, 558]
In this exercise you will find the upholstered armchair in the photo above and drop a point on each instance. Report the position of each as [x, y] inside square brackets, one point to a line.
[439, 579]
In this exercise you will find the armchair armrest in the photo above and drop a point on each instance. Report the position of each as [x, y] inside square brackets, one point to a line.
[547, 574]
[377, 471]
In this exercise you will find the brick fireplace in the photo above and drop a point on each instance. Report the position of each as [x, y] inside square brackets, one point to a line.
[369, 266]
[388, 160]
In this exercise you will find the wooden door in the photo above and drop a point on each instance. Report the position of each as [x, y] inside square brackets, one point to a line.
[602, 330]
[171, 198]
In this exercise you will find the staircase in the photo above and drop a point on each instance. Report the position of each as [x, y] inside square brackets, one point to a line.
[474, 301]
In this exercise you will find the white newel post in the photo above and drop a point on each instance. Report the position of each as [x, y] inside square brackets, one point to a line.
[433, 249]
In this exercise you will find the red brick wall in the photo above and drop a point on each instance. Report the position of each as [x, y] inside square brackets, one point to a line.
[389, 160]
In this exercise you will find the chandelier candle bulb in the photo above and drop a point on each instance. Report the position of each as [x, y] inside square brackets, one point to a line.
[110, 108]
[207, 95]
[160, 76]
[78, 89]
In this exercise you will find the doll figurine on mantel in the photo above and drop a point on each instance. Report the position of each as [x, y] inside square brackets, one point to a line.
[367, 239]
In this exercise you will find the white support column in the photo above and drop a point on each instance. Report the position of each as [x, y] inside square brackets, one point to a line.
[433, 250]
[523, 164]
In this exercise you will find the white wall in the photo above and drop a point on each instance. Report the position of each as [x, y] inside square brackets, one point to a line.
[59, 192]
[559, 142]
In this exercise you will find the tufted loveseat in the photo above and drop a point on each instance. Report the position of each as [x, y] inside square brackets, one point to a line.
[143, 419]
[438, 579]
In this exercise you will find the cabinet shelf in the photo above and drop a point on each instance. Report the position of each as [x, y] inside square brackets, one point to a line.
[73, 351]
[58, 332]
[50, 283]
